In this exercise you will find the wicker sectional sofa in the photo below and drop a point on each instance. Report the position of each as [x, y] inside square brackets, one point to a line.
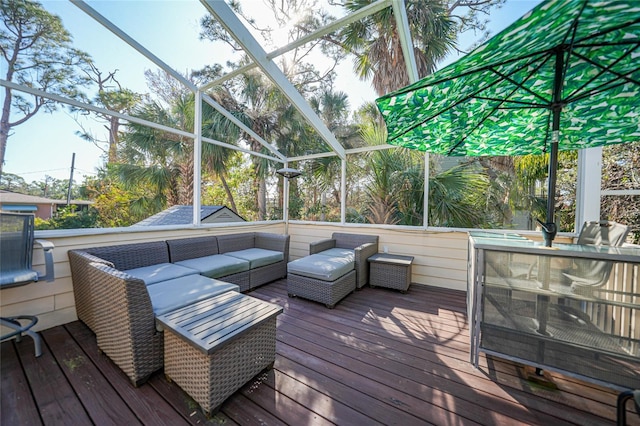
[119, 289]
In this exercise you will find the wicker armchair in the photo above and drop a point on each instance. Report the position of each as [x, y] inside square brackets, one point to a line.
[364, 246]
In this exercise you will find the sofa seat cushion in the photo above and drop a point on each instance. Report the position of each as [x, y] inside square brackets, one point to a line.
[216, 266]
[179, 292]
[321, 267]
[339, 252]
[161, 272]
[258, 257]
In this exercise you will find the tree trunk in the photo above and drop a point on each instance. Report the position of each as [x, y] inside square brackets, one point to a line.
[114, 126]
[4, 125]
[262, 199]
[186, 190]
[225, 185]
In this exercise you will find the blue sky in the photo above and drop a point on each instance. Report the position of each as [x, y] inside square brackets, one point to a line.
[43, 146]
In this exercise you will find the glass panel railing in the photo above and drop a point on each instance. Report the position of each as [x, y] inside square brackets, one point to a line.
[571, 308]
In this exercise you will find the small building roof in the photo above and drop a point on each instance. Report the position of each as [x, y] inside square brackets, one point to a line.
[183, 215]
[10, 197]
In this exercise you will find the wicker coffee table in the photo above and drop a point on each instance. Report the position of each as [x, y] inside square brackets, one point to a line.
[390, 271]
[215, 346]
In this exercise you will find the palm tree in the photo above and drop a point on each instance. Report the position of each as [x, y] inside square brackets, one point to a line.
[333, 108]
[157, 160]
[455, 195]
[163, 162]
[215, 159]
[376, 44]
[396, 187]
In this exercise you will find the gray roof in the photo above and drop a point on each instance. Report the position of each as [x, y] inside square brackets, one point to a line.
[180, 215]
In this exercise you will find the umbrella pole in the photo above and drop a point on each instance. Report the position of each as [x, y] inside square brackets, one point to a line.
[550, 229]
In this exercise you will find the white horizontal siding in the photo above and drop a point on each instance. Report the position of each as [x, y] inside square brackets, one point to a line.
[53, 302]
[440, 258]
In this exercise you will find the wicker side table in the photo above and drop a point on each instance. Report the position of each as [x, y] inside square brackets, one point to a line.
[390, 271]
[214, 346]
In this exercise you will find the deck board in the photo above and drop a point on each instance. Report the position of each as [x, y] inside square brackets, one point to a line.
[379, 357]
[144, 401]
[94, 390]
[17, 405]
[51, 390]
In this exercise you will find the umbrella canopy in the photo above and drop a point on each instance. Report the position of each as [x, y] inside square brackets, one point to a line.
[565, 76]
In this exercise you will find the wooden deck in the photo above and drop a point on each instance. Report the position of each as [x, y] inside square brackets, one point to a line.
[379, 357]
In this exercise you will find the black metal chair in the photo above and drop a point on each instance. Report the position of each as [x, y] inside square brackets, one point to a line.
[622, 402]
[16, 251]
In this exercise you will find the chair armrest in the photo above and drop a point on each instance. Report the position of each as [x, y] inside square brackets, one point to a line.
[362, 253]
[47, 248]
[322, 245]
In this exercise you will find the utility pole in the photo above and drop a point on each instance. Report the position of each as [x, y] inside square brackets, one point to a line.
[73, 161]
[46, 185]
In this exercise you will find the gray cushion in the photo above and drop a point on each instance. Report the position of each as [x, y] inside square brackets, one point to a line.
[339, 252]
[216, 266]
[258, 257]
[321, 267]
[176, 293]
[160, 272]
[7, 278]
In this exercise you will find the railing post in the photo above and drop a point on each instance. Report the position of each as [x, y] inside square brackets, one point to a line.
[588, 186]
[197, 157]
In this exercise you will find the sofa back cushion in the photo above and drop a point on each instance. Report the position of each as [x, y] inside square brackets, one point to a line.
[352, 241]
[235, 242]
[131, 256]
[191, 248]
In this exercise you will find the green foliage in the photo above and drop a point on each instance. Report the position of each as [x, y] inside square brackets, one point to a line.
[457, 198]
[395, 188]
[56, 189]
[11, 182]
[529, 188]
[434, 27]
[239, 177]
[112, 202]
[69, 218]
[113, 97]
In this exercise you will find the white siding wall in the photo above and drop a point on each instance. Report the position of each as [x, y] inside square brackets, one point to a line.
[53, 302]
[440, 258]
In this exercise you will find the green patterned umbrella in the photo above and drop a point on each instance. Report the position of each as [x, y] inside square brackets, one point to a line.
[565, 76]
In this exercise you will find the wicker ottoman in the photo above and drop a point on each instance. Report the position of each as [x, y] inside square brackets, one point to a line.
[327, 292]
[215, 346]
[390, 271]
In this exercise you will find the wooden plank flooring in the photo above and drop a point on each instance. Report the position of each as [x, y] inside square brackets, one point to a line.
[379, 357]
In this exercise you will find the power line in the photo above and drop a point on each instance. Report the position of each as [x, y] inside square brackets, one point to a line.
[41, 171]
